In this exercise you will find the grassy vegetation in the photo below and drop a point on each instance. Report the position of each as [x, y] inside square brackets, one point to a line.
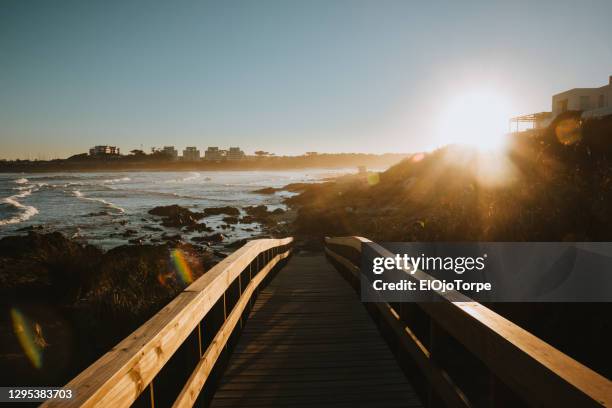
[80, 301]
[539, 190]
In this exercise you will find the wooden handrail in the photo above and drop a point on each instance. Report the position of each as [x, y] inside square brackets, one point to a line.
[539, 373]
[121, 375]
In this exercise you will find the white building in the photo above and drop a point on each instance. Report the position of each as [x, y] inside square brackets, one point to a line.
[213, 153]
[191, 153]
[103, 150]
[591, 101]
[171, 152]
[234, 153]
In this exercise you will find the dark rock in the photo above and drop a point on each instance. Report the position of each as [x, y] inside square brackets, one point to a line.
[172, 211]
[230, 220]
[175, 216]
[171, 238]
[259, 214]
[227, 210]
[247, 219]
[128, 233]
[278, 211]
[136, 241]
[199, 227]
[98, 214]
[31, 228]
[216, 237]
[266, 190]
[151, 228]
[257, 210]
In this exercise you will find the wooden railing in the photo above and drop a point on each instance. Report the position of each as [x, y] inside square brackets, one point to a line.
[467, 355]
[122, 375]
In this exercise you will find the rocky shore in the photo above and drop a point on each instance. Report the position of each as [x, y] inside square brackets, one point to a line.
[91, 298]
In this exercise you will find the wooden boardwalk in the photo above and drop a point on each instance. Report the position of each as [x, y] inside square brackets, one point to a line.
[310, 342]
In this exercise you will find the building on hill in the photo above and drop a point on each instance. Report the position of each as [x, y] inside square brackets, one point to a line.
[593, 102]
[191, 153]
[104, 150]
[213, 153]
[234, 153]
[171, 152]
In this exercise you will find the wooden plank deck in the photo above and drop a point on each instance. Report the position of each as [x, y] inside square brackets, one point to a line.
[310, 342]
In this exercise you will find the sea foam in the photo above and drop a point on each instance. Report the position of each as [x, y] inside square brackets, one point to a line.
[81, 196]
[26, 211]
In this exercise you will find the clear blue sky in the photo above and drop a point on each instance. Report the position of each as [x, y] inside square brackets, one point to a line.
[283, 76]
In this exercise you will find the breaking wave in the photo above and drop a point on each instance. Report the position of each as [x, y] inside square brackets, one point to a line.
[108, 204]
[117, 180]
[26, 211]
[194, 175]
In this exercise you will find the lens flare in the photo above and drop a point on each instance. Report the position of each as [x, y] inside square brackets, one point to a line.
[373, 179]
[30, 337]
[181, 266]
[568, 132]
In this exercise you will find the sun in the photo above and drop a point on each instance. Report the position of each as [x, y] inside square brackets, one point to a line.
[477, 118]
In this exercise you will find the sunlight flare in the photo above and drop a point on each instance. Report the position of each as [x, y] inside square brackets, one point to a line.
[477, 118]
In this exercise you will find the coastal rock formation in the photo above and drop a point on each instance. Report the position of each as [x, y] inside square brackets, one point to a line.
[199, 227]
[266, 190]
[212, 238]
[176, 216]
[227, 210]
[230, 220]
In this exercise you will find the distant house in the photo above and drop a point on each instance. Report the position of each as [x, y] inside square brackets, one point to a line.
[104, 150]
[171, 152]
[593, 102]
[234, 153]
[213, 153]
[191, 153]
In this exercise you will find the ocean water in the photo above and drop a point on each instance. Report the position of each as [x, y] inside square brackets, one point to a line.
[99, 207]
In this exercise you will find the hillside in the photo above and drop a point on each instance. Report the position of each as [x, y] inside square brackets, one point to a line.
[553, 187]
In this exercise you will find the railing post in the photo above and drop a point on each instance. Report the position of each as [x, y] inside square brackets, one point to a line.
[240, 292]
[151, 394]
[200, 339]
